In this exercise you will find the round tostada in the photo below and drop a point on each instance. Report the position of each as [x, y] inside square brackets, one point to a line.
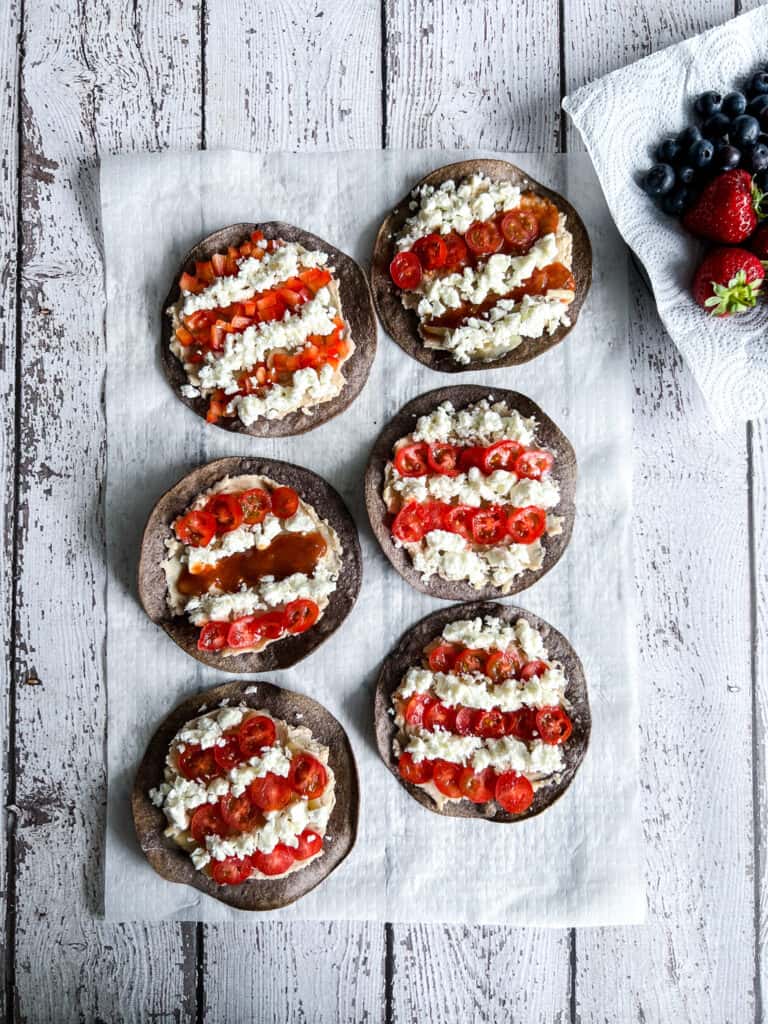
[480, 266]
[249, 793]
[481, 711]
[268, 330]
[471, 492]
[249, 564]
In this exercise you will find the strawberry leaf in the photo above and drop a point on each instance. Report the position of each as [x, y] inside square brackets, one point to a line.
[737, 296]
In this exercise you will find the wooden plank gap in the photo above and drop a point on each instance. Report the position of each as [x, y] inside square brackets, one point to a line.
[389, 964]
[384, 81]
[203, 70]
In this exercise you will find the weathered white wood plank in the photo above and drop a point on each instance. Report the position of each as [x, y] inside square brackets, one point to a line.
[10, 28]
[485, 75]
[758, 446]
[692, 567]
[90, 85]
[294, 76]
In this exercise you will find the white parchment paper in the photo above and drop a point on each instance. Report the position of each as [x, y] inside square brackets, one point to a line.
[580, 863]
[622, 118]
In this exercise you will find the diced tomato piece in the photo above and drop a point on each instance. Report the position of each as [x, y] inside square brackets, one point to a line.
[256, 237]
[196, 529]
[270, 307]
[226, 510]
[206, 821]
[545, 212]
[410, 523]
[520, 229]
[216, 410]
[240, 323]
[291, 298]
[525, 525]
[310, 843]
[479, 787]
[213, 636]
[465, 721]
[431, 251]
[204, 271]
[521, 724]
[282, 366]
[275, 863]
[256, 733]
[514, 792]
[255, 504]
[533, 668]
[231, 870]
[243, 633]
[405, 270]
[443, 458]
[184, 336]
[196, 763]
[469, 660]
[311, 356]
[559, 276]
[445, 775]
[417, 772]
[489, 525]
[219, 263]
[443, 657]
[300, 615]
[227, 754]
[499, 666]
[490, 724]
[439, 716]
[315, 278]
[412, 459]
[249, 307]
[483, 238]
[271, 793]
[189, 283]
[285, 502]
[501, 455]
[239, 813]
[308, 776]
[554, 725]
[457, 254]
[458, 519]
[418, 704]
[200, 319]
[533, 464]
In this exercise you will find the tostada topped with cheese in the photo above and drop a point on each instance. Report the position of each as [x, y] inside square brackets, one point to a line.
[253, 559]
[480, 265]
[486, 708]
[471, 491]
[268, 330]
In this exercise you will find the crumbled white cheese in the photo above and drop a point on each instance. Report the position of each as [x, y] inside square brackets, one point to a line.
[481, 423]
[307, 387]
[453, 207]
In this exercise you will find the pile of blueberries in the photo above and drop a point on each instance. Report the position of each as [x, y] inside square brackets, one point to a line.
[733, 133]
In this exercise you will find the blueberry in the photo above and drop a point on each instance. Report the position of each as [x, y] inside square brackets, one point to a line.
[717, 127]
[733, 104]
[676, 201]
[762, 117]
[686, 174]
[757, 105]
[758, 84]
[708, 104]
[659, 180]
[761, 180]
[700, 154]
[744, 131]
[688, 136]
[757, 159]
[726, 157]
[668, 151]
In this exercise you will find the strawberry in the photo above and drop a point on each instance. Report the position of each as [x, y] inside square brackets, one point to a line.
[725, 210]
[728, 281]
[758, 243]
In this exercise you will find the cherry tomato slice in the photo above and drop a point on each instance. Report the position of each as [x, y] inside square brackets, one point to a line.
[469, 661]
[438, 716]
[255, 734]
[442, 657]
[469, 457]
[405, 270]
[213, 636]
[227, 754]
[525, 525]
[196, 529]
[514, 792]
[479, 787]
[489, 525]
[417, 772]
[231, 870]
[458, 519]
[310, 843]
[457, 254]
[554, 725]
[307, 776]
[256, 504]
[285, 501]
[412, 459]
[242, 633]
[196, 763]
[431, 251]
[226, 510]
[270, 625]
[533, 464]
[483, 237]
[520, 229]
[410, 523]
[501, 455]
[434, 515]
[443, 458]
[206, 821]
[533, 668]
[300, 615]
[445, 776]
[499, 666]
[275, 863]
[239, 813]
[521, 724]
[270, 793]
[465, 721]
[415, 709]
[490, 724]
